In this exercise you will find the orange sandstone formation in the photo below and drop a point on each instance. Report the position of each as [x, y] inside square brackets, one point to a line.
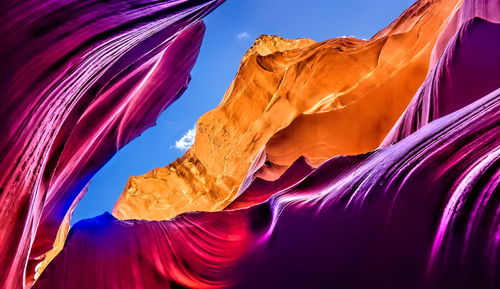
[293, 98]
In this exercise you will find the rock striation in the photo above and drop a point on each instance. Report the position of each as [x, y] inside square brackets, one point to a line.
[418, 212]
[345, 163]
[293, 98]
[80, 79]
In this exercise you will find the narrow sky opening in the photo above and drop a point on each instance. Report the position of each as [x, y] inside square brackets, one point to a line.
[231, 30]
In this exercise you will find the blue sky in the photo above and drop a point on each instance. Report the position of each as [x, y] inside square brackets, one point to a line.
[231, 30]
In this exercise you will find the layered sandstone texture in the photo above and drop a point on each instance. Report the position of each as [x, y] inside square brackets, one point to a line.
[293, 98]
[411, 200]
[79, 80]
[420, 212]
[416, 215]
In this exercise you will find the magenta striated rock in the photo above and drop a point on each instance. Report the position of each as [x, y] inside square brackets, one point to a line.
[80, 79]
[260, 190]
[422, 213]
[466, 67]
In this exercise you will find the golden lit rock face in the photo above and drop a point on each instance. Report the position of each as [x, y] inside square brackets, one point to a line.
[293, 98]
[269, 44]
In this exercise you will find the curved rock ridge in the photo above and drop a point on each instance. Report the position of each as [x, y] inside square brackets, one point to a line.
[291, 99]
[422, 213]
[80, 79]
[268, 44]
[465, 70]
[260, 190]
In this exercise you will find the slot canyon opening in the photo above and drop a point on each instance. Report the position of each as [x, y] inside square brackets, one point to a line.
[229, 34]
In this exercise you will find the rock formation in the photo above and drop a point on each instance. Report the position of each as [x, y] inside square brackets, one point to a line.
[339, 164]
[417, 214]
[80, 79]
[291, 99]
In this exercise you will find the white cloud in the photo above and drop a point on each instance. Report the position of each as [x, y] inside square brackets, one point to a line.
[186, 141]
[243, 35]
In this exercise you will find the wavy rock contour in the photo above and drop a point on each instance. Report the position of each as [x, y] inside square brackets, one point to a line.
[292, 99]
[417, 214]
[80, 79]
